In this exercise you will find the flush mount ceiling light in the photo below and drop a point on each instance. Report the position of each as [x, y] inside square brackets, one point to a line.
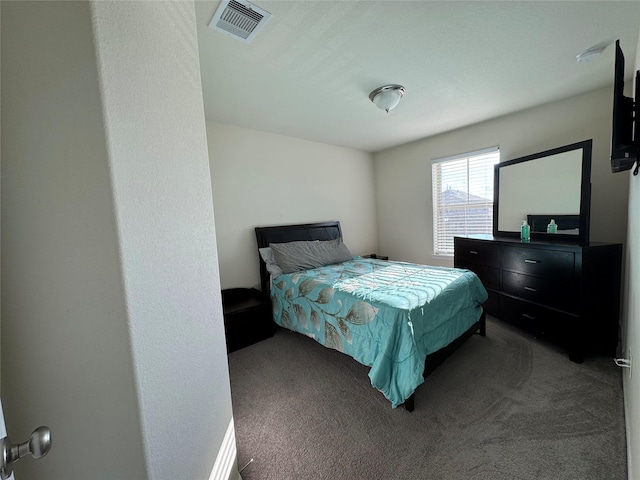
[590, 54]
[387, 97]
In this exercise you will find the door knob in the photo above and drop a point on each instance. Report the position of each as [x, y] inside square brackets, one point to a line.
[37, 446]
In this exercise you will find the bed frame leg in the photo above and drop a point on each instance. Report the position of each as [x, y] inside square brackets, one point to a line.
[409, 403]
[482, 330]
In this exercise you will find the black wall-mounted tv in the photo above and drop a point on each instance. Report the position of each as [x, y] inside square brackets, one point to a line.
[624, 141]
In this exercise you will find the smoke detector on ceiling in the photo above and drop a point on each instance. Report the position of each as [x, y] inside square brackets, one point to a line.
[239, 19]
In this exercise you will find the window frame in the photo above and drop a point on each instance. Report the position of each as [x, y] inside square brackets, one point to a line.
[439, 246]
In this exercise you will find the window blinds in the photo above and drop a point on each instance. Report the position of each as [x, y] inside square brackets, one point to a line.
[462, 197]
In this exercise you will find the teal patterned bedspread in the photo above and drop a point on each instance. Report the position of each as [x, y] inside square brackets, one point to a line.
[386, 315]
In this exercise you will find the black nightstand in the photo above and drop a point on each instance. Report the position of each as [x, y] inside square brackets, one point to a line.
[375, 255]
[247, 317]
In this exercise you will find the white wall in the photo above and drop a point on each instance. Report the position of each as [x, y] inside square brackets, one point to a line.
[111, 321]
[0, 205]
[403, 174]
[66, 361]
[631, 321]
[156, 138]
[265, 179]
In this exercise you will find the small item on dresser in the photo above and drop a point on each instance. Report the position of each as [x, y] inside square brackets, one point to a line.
[525, 232]
[552, 227]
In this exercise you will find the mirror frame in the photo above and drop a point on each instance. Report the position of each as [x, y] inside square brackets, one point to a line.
[585, 195]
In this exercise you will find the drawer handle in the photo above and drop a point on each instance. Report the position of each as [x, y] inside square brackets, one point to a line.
[530, 289]
[526, 260]
[530, 317]
[473, 252]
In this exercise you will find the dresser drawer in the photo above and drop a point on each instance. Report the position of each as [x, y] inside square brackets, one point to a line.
[537, 319]
[489, 276]
[476, 252]
[548, 291]
[553, 264]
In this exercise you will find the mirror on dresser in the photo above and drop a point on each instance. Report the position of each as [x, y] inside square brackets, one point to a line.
[554, 184]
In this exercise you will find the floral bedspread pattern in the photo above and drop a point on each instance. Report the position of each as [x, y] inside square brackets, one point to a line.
[386, 315]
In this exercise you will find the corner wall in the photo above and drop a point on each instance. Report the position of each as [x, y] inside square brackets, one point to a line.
[112, 330]
[66, 362]
[161, 191]
[403, 174]
[631, 320]
[263, 179]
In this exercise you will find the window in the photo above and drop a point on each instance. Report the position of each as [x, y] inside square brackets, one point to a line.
[462, 197]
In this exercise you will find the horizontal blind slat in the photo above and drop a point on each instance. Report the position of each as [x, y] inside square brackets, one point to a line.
[462, 197]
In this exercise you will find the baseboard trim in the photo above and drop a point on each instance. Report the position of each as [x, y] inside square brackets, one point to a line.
[626, 387]
[225, 467]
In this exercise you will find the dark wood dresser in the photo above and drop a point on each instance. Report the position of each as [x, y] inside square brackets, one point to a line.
[569, 293]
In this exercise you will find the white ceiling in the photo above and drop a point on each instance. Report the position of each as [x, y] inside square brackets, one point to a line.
[309, 72]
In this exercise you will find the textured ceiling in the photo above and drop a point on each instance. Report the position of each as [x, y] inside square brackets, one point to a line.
[309, 72]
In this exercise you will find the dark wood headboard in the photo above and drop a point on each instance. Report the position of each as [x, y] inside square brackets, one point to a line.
[292, 233]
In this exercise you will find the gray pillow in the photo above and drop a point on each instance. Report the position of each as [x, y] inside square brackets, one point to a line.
[295, 256]
[270, 261]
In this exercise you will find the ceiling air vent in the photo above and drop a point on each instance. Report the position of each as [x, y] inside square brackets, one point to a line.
[239, 19]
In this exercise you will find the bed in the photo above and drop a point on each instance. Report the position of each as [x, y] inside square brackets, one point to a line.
[398, 318]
